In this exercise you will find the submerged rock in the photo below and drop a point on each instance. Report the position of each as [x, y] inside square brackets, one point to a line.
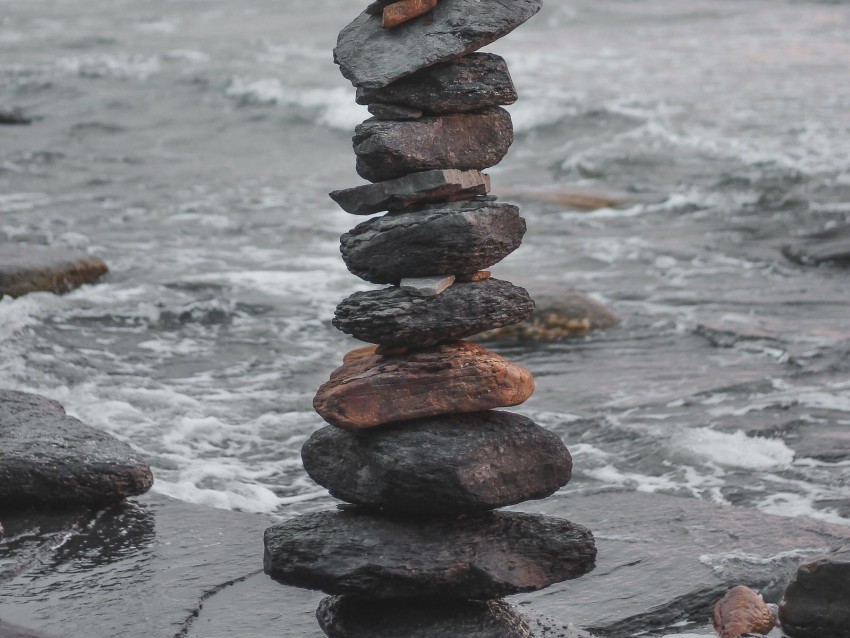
[436, 241]
[441, 465]
[817, 600]
[472, 82]
[50, 458]
[371, 56]
[572, 315]
[25, 268]
[479, 556]
[467, 141]
[453, 378]
[831, 246]
[349, 617]
[398, 317]
[427, 187]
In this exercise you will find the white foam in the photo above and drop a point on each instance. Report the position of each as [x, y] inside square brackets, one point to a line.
[126, 66]
[793, 505]
[735, 449]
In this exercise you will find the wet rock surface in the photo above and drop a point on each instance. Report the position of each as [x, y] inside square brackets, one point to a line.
[468, 141]
[415, 189]
[349, 617]
[7, 630]
[829, 246]
[48, 457]
[440, 465]
[372, 57]
[454, 378]
[27, 268]
[817, 600]
[396, 317]
[394, 112]
[479, 556]
[438, 241]
[469, 83]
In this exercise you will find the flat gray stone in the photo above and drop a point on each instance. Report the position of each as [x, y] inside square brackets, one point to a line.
[50, 458]
[27, 268]
[441, 465]
[396, 317]
[472, 82]
[816, 603]
[394, 112]
[466, 141]
[437, 241]
[348, 617]
[416, 189]
[829, 246]
[426, 286]
[479, 556]
[371, 56]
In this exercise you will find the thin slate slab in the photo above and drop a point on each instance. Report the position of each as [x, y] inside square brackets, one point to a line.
[472, 82]
[369, 390]
[436, 241]
[480, 556]
[817, 600]
[394, 112]
[27, 268]
[50, 458]
[440, 465]
[467, 141]
[371, 56]
[427, 187]
[349, 617]
[397, 317]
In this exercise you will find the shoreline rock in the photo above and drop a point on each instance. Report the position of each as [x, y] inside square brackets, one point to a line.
[26, 268]
[816, 602]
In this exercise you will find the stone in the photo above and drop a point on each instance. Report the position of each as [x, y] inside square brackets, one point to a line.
[446, 379]
[829, 246]
[481, 275]
[397, 317]
[50, 458]
[572, 315]
[742, 611]
[441, 465]
[437, 241]
[435, 186]
[466, 141]
[480, 556]
[394, 112]
[426, 286]
[376, 8]
[817, 600]
[349, 617]
[472, 82]
[405, 10]
[15, 117]
[371, 56]
[26, 268]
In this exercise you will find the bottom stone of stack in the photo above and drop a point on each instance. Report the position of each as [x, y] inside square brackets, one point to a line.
[349, 617]
[481, 556]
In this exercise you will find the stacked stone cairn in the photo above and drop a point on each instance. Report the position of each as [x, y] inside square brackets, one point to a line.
[415, 447]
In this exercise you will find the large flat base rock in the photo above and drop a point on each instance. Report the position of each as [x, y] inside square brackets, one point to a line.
[50, 458]
[25, 268]
[142, 569]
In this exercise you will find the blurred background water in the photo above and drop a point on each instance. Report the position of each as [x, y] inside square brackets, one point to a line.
[191, 144]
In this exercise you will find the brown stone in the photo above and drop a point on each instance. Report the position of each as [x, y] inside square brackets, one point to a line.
[742, 611]
[25, 268]
[481, 275]
[451, 378]
[404, 11]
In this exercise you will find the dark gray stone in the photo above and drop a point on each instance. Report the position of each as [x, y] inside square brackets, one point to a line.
[413, 190]
[25, 268]
[817, 600]
[479, 556]
[15, 117]
[47, 457]
[371, 56]
[466, 141]
[437, 241]
[440, 465]
[831, 245]
[398, 317]
[469, 83]
[377, 7]
[348, 617]
[394, 112]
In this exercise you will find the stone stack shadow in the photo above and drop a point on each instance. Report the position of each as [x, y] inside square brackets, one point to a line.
[415, 445]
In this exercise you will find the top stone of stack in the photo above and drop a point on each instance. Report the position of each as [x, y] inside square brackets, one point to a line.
[372, 57]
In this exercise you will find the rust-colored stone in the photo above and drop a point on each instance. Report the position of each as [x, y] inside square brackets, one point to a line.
[742, 611]
[404, 11]
[472, 277]
[451, 378]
